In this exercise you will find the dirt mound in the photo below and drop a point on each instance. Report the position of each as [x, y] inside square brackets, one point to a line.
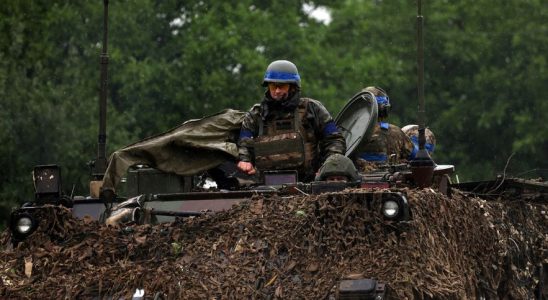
[291, 247]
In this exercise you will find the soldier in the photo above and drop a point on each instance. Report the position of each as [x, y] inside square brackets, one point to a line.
[285, 131]
[338, 167]
[412, 131]
[388, 143]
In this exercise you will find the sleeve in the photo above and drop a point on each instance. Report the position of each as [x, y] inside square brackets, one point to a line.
[331, 140]
[247, 133]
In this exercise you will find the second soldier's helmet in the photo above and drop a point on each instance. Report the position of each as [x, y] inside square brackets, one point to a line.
[338, 165]
[282, 71]
[412, 131]
[383, 102]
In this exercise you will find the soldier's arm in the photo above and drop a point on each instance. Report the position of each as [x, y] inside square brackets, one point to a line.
[330, 138]
[247, 133]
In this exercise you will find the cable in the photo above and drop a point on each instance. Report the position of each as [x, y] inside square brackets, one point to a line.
[503, 174]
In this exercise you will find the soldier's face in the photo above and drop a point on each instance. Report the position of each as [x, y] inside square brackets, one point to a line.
[336, 178]
[278, 91]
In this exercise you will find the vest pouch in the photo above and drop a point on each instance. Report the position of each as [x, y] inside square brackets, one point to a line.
[281, 151]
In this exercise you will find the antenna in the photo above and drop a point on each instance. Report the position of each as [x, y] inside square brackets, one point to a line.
[422, 166]
[420, 76]
[100, 164]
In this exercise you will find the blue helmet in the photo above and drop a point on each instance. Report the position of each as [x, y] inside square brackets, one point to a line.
[282, 71]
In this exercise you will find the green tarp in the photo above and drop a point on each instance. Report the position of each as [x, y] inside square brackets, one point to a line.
[193, 147]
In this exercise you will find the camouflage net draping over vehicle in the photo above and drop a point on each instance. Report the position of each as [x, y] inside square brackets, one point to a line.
[291, 247]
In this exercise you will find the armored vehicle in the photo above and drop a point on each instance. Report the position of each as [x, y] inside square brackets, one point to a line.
[176, 176]
[146, 193]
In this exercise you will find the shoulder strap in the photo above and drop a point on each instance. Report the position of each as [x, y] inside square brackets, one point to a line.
[301, 111]
[261, 126]
[261, 122]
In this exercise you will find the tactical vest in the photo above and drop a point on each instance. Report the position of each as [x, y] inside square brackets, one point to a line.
[286, 143]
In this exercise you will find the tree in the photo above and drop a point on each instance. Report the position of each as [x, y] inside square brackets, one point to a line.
[485, 61]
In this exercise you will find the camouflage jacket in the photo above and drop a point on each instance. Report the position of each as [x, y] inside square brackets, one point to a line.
[317, 121]
[387, 144]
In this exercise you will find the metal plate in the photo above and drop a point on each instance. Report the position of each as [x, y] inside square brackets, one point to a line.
[357, 120]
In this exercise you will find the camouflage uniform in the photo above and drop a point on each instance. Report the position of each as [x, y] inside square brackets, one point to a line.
[320, 135]
[387, 144]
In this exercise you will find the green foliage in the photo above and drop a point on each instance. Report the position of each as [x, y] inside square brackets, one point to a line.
[486, 67]
[171, 61]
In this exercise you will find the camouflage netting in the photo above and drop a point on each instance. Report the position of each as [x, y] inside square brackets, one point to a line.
[294, 247]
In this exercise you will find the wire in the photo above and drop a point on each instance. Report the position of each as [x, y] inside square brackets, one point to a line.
[72, 191]
[503, 174]
[302, 192]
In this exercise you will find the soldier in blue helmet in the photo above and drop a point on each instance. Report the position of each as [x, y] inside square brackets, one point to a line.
[285, 131]
[388, 143]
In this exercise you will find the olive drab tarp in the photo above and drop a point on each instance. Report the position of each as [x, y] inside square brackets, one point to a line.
[194, 146]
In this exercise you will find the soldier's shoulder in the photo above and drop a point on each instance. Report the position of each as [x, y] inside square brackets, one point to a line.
[255, 109]
[312, 103]
[253, 113]
[394, 127]
[395, 130]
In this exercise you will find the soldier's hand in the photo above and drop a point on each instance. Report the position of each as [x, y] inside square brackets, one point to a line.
[246, 167]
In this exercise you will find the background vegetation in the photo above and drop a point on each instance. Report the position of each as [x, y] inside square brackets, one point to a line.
[175, 60]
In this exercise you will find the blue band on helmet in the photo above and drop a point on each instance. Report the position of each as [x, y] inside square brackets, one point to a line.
[330, 128]
[384, 125]
[428, 146]
[378, 157]
[273, 75]
[382, 100]
[415, 140]
[245, 134]
[414, 152]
